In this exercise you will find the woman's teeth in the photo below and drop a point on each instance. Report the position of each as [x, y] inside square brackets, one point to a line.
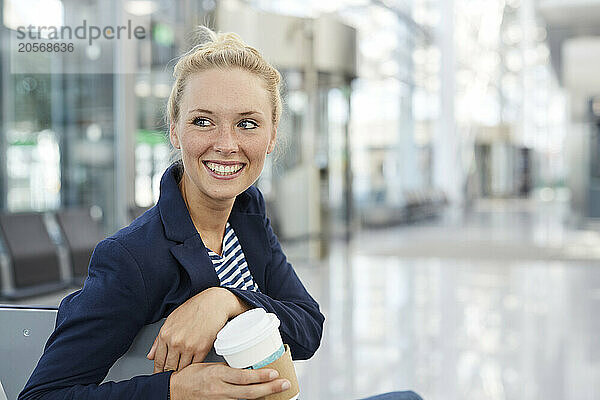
[224, 170]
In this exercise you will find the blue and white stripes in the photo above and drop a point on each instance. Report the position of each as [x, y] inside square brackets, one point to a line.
[232, 268]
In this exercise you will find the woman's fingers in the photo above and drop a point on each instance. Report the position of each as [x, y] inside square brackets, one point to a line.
[257, 390]
[168, 358]
[160, 356]
[150, 355]
[215, 380]
[172, 360]
[184, 361]
[197, 359]
[252, 384]
[248, 376]
[248, 383]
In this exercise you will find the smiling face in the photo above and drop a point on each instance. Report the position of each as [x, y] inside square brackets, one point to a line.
[224, 132]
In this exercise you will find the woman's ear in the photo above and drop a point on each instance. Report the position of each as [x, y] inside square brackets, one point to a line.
[173, 136]
[272, 140]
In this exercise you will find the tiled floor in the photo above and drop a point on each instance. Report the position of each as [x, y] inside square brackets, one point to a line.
[498, 303]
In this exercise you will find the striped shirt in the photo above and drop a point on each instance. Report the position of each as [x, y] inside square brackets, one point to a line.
[232, 268]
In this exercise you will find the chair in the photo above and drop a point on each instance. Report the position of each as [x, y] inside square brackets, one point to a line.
[31, 264]
[81, 233]
[19, 353]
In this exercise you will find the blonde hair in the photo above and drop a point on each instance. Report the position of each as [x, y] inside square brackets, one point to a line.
[222, 50]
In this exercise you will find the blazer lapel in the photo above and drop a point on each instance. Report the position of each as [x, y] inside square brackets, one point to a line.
[190, 250]
[192, 255]
[251, 234]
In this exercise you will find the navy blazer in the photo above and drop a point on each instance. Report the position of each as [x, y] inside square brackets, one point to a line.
[145, 271]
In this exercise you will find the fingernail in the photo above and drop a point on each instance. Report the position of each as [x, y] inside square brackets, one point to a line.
[286, 385]
[273, 374]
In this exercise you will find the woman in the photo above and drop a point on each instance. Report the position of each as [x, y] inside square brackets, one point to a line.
[204, 254]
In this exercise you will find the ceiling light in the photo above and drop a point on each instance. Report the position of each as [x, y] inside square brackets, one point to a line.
[140, 7]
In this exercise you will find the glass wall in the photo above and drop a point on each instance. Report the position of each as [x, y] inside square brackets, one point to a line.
[393, 103]
[62, 143]
[510, 110]
[373, 137]
[32, 162]
[59, 127]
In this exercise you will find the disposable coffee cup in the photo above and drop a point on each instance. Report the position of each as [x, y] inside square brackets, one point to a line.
[252, 341]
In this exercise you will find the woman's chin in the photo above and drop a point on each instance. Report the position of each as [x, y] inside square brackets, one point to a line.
[225, 194]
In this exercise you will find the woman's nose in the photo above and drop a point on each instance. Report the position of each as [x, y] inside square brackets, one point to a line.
[226, 141]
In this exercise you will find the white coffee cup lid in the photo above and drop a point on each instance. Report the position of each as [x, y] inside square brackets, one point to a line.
[245, 330]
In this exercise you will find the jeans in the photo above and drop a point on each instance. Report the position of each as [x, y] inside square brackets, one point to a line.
[396, 396]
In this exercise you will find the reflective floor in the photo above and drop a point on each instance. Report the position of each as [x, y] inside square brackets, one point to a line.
[500, 302]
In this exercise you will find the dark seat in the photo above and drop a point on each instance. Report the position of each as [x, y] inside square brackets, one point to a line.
[33, 261]
[81, 233]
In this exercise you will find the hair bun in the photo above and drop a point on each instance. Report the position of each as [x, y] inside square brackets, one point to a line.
[199, 37]
[202, 35]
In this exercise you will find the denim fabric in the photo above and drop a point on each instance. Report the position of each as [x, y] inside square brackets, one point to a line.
[396, 396]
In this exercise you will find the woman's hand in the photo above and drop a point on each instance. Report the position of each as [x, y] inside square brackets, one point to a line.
[191, 329]
[218, 381]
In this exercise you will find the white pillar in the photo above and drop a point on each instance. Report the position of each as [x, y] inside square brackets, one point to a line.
[124, 122]
[6, 105]
[447, 169]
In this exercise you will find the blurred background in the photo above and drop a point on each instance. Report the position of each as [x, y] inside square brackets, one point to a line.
[437, 185]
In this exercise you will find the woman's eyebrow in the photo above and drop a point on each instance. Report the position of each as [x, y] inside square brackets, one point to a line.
[250, 113]
[202, 110]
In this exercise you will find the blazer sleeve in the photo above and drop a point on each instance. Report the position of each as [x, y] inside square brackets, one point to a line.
[94, 327]
[301, 320]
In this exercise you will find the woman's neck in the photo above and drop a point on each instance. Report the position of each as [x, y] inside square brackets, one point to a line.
[209, 216]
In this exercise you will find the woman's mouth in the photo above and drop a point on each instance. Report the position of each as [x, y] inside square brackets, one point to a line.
[224, 171]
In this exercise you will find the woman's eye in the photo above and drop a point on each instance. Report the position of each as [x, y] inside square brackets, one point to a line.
[202, 122]
[253, 125]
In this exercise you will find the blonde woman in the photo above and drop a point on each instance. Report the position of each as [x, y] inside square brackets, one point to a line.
[204, 254]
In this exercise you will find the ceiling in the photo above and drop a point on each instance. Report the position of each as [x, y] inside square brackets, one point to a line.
[566, 20]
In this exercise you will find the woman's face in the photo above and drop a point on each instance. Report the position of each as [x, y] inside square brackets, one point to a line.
[224, 132]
